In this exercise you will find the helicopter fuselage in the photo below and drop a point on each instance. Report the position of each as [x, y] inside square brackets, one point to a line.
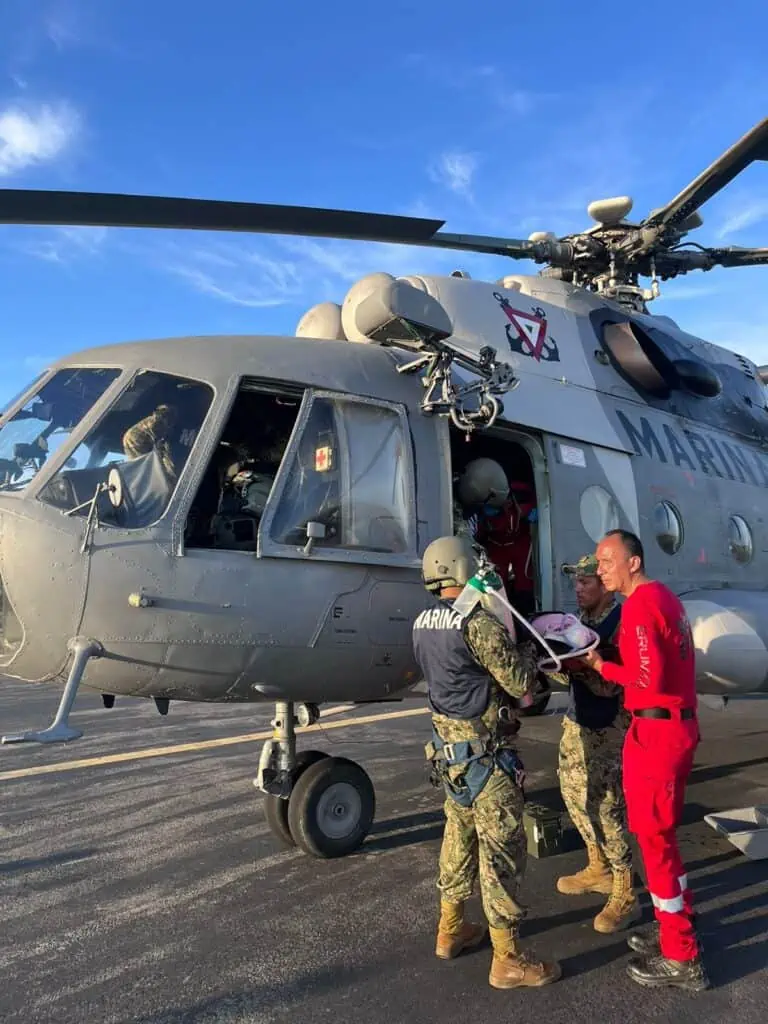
[319, 606]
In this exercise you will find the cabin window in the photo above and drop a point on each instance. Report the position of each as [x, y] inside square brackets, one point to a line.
[348, 483]
[599, 512]
[45, 422]
[146, 435]
[740, 539]
[668, 526]
[229, 504]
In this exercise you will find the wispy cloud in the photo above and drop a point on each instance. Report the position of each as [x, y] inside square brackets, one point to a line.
[297, 271]
[754, 211]
[63, 245]
[455, 171]
[235, 273]
[489, 83]
[505, 95]
[35, 134]
[62, 24]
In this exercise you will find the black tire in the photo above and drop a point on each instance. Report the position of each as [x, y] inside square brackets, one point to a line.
[276, 809]
[334, 788]
[538, 707]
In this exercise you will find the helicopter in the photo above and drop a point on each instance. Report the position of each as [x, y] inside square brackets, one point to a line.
[241, 519]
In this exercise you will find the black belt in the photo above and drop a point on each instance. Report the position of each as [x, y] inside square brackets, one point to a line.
[684, 714]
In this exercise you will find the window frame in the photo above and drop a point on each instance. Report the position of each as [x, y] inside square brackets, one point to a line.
[674, 512]
[128, 375]
[62, 453]
[267, 547]
[736, 518]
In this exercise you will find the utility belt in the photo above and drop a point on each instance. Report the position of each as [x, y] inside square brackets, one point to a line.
[682, 713]
[478, 757]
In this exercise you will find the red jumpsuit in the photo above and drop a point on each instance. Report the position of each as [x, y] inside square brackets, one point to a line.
[658, 671]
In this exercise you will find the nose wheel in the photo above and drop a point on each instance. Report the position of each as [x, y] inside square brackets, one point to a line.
[323, 805]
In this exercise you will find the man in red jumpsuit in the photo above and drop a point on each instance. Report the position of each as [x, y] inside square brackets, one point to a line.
[659, 680]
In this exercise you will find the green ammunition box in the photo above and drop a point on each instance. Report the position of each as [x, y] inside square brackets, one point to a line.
[543, 830]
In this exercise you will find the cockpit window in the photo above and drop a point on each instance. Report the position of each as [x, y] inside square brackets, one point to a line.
[146, 435]
[32, 435]
[27, 387]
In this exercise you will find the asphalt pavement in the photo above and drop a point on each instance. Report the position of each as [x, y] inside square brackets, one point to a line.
[148, 890]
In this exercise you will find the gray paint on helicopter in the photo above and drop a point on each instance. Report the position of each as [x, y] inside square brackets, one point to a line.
[146, 615]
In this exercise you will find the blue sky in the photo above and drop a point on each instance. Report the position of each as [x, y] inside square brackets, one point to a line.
[499, 121]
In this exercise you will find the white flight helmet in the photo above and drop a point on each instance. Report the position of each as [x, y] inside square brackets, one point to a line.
[566, 635]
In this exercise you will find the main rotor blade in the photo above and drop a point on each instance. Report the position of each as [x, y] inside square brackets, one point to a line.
[736, 256]
[101, 209]
[751, 147]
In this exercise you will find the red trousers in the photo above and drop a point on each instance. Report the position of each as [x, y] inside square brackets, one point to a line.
[657, 760]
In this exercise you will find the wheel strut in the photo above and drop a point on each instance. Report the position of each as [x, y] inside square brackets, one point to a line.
[277, 763]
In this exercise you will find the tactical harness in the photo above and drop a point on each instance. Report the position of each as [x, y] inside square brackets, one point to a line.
[479, 757]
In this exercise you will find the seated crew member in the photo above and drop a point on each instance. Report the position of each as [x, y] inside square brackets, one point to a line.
[469, 665]
[590, 761]
[153, 432]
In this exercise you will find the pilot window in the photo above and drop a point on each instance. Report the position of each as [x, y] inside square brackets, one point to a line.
[32, 435]
[146, 435]
[227, 509]
[348, 484]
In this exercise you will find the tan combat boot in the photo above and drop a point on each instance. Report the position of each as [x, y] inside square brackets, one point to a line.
[622, 907]
[454, 933]
[513, 968]
[595, 877]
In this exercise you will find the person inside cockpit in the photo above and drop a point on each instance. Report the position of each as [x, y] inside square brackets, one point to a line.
[153, 432]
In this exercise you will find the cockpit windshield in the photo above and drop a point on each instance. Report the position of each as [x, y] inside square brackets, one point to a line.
[33, 434]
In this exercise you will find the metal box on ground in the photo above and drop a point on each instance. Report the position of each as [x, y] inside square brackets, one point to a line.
[745, 827]
[543, 830]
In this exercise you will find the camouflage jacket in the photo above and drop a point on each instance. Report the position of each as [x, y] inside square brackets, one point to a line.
[463, 527]
[145, 435]
[512, 668]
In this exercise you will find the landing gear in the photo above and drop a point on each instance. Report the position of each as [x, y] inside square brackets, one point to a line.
[324, 805]
[60, 731]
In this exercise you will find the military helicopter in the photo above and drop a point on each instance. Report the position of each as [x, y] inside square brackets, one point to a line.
[241, 519]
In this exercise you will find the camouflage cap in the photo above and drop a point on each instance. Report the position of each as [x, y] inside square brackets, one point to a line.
[586, 566]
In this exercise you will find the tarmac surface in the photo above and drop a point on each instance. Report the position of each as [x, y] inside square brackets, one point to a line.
[150, 890]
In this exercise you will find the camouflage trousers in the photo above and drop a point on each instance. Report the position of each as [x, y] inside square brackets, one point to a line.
[488, 840]
[591, 785]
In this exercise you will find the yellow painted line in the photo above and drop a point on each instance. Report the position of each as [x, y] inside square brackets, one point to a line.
[185, 748]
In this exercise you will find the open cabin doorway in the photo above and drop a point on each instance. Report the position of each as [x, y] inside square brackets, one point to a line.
[516, 539]
[510, 535]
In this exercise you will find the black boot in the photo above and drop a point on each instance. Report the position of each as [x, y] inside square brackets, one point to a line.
[645, 942]
[656, 971]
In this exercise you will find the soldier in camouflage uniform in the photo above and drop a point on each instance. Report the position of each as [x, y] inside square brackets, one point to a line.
[470, 665]
[590, 762]
[152, 432]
